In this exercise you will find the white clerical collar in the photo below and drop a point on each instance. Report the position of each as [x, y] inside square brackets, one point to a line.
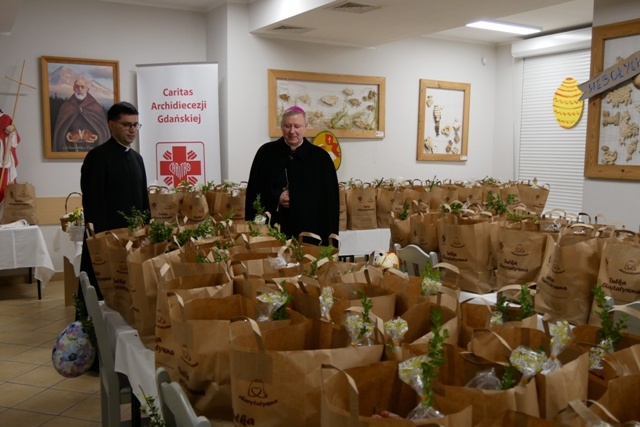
[126, 147]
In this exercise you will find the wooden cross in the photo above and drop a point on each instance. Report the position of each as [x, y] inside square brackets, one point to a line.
[7, 147]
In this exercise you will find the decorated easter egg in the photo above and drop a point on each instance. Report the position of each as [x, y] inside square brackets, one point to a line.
[73, 353]
[329, 142]
[385, 260]
[567, 106]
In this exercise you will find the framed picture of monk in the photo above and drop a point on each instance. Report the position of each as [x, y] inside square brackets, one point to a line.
[76, 94]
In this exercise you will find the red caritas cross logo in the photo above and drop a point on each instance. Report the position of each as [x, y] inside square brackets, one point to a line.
[179, 163]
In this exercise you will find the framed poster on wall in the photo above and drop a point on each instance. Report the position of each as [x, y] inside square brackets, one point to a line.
[349, 106]
[76, 95]
[443, 121]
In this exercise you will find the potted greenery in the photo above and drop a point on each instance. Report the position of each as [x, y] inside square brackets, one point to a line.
[75, 226]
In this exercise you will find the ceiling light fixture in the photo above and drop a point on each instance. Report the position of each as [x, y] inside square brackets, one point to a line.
[505, 27]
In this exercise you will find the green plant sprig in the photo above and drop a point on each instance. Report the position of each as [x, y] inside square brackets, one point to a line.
[160, 232]
[155, 416]
[428, 272]
[281, 312]
[325, 252]
[495, 203]
[136, 218]
[257, 206]
[367, 305]
[435, 357]
[83, 316]
[526, 303]
[404, 214]
[608, 329]
[508, 379]
[454, 208]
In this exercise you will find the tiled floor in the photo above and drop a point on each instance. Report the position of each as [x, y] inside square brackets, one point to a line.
[32, 393]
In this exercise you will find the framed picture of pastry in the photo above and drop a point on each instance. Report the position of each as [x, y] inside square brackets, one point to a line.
[348, 106]
[76, 95]
[443, 121]
[613, 118]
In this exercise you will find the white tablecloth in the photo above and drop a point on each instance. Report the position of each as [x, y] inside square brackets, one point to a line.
[24, 247]
[132, 358]
[363, 242]
[69, 249]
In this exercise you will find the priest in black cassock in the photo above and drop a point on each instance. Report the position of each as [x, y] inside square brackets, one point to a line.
[113, 179]
[296, 181]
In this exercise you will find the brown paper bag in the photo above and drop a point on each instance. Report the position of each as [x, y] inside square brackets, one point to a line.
[19, 203]
[568, 274]
[164, 204]
[119, 250]
[207, 285]
[619, 267]
[230, 203]
[423, 230]
[533, 196]
[512, 418]
[519, 256]
[194, 207]
[389, 199]
[467, 245]
[400, 230]
[352, 396]
[266, 371]
[343, 207]
[361, 208]
[459, 368]
[144, 289]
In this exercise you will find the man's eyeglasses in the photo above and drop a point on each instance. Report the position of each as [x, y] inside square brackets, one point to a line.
[128, 126]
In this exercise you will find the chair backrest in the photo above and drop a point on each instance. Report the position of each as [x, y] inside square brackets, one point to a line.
[105, 352]
[176, 408]
[633, 317]
[413, 259]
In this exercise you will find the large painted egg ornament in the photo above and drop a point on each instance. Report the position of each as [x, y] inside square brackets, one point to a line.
[73, 353]
[567, 106]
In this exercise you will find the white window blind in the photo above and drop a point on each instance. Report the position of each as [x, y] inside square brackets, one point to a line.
[551, 154]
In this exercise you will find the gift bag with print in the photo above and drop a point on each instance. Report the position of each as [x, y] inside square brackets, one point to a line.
[534, 196]
[194, 207]
[568, 274]
[361, 208]
[389, 198]
[519, 255]
[19, 203]
[164, 204]
[423, 229]
[374, 396]
[267, 370]
[466, 244]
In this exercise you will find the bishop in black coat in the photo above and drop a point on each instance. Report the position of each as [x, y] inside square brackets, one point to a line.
[309, 174]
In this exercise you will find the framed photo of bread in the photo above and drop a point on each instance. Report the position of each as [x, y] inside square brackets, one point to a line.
[76, 95]
[613, 90]
[348, 106]
[443, 121]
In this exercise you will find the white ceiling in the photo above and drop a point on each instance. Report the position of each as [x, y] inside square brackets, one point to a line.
[395, 20]
[389, 21]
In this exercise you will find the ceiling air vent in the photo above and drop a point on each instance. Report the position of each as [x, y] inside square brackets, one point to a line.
[354, 7]
[290, 29]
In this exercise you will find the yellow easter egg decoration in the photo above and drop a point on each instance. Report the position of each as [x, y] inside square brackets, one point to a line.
[330, 144]
[567, 106]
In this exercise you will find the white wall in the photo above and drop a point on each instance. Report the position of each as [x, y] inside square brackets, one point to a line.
[403, 64]
[617, 200]
[84, 29]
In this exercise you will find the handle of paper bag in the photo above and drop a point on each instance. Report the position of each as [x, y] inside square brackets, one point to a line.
[304, 234]
[180, 304]
[304, 281]
[254, 328]
[626, 308]
[354, 403]
[587, 414]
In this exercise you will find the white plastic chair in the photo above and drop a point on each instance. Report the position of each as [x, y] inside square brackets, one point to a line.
[114, 387]
[413, 259]
[176, 408]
